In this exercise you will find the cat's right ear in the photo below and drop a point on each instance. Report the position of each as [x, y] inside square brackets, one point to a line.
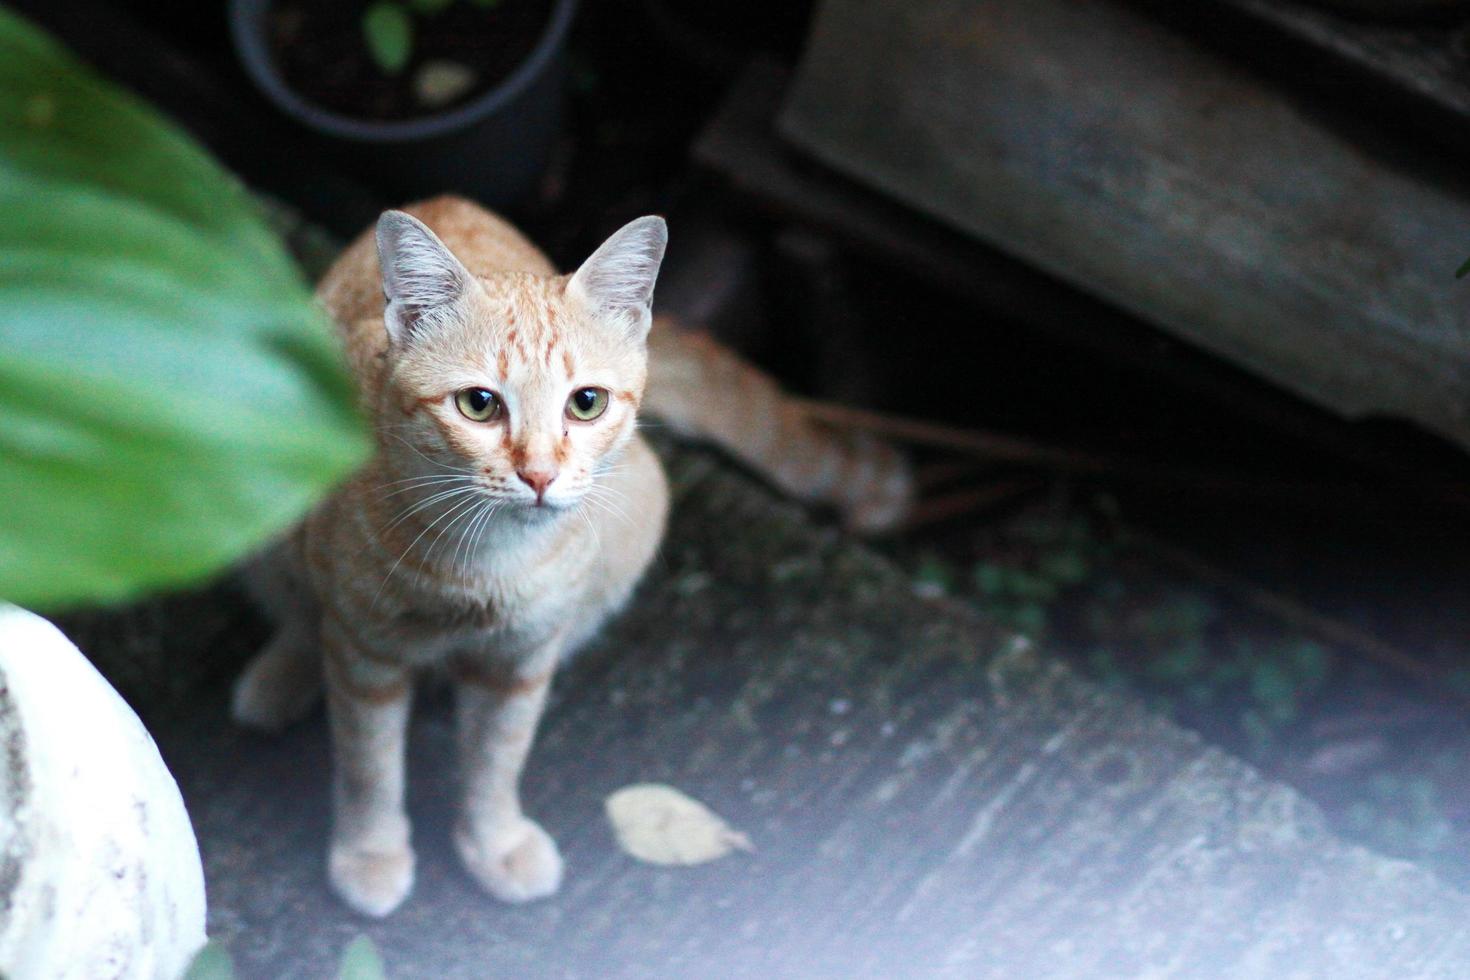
[617, 281]
[422, 280]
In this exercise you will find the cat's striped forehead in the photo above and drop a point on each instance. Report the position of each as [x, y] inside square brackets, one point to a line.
[527, 327]
[522, 321]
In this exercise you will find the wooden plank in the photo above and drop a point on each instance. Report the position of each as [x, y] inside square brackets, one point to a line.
[1114, 153]
[1400, 80]
[740, 144]
[1424, 62]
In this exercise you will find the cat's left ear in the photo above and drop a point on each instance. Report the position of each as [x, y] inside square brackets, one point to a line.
[422, 280]
[616, 283]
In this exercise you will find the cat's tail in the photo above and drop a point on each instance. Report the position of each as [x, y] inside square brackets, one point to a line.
[705, 391]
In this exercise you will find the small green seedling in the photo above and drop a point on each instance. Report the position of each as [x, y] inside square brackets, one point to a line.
[213, 962]
[388, 28]
[360, 961]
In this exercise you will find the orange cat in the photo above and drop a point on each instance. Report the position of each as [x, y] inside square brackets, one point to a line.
[510, 508]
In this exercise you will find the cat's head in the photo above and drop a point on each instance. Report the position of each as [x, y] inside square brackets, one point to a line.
[526, 385]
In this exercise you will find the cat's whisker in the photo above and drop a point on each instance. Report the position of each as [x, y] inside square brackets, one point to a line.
[419, 483]
[456, 539]
[603, 508]
[431, 488]
[491, 506]
[596, 538]
[401, 492]
[418, 507]
[422, 505]
[613, 492]
[409, 511]
[433, 498]
[425, 476]
[411, 545]
[606, 507]
[608, 490]
[460, 560]
[463, 510]
[466, 542]
[458, 511]
[432, 462]
[405, 485]
[475, 512]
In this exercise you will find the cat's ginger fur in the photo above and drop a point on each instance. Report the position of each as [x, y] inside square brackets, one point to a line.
[495, 548]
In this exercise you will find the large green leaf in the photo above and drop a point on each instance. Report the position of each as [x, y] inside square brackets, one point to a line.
[169, 394]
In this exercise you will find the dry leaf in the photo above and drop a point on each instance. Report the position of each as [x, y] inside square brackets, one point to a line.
[660, 825]
[439, 83]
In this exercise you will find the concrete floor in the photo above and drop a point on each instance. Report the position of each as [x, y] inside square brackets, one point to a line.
[927, 796]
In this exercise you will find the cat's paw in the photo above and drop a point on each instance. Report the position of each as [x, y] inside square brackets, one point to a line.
[371, 882]
[517, 864]
[279, 686]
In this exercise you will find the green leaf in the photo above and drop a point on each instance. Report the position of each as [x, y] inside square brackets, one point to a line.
[212, 962]
[388, 31]
[169, 394]
[990, 578]
[360, 961]
[1463, 270]
[1179, 663]
[934, 574]
[429, 6]
[1064, 567]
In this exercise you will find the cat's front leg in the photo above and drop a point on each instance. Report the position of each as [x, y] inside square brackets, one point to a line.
[369, 861]
[499, 706]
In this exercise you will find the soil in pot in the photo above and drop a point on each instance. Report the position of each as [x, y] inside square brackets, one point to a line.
[456, 53]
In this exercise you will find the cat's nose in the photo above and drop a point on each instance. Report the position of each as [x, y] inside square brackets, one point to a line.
[537, 480]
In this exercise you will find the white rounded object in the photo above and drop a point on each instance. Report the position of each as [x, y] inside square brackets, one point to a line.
[99, 870]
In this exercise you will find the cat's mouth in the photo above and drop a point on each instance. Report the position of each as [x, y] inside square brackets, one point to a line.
[544, 506]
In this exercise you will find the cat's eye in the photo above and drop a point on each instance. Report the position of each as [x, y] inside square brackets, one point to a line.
[478, 404]
[587, 404]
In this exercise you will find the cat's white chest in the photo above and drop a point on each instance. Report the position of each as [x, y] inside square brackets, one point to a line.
[517, 595]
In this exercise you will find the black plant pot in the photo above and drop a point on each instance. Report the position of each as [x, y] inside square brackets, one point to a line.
[492, 148]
